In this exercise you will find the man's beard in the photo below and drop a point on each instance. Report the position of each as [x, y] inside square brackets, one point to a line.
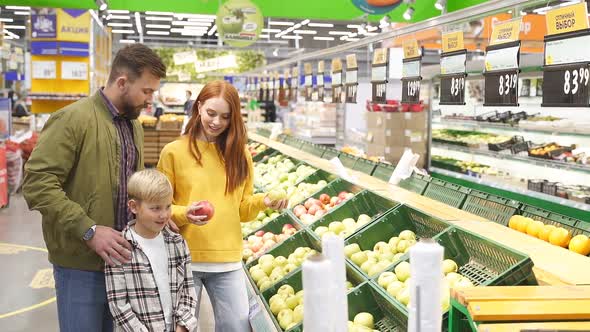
[132, 112]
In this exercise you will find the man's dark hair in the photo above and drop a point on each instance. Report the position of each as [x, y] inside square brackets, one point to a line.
[133, 60]
[189, 92]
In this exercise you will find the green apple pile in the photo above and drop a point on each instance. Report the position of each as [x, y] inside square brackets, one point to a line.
[263, 218]
[397, 283]
[266, 173]
[287, 306]
[343, 228]
[372, 262]
[303, 190]
[270, 269]
[363, 322]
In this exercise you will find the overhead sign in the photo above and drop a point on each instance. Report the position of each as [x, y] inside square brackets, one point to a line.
[43, 23]
[182, 58]
[376, 6]
[452, 41]
[73, 25]
[505, 32]
[222, 62]
[239, 23]
[567, 19]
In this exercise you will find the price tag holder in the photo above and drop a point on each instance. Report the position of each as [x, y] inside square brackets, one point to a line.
[501, 75]
[452, 81]
[411, 81]
[336, 81]
[379, 72]
[566, 73]
[351, 78]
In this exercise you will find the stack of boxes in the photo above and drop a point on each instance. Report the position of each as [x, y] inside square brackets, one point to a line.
[390, 133]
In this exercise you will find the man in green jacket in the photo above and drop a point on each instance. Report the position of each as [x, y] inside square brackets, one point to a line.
[77, 178]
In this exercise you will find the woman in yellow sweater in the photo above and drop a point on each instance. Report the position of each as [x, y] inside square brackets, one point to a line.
[210, 162]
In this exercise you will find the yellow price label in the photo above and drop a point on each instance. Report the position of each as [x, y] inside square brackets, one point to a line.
[321, 67]
[380, 56]
[567, 19]
[505, 32]
[308, 69]
[453, 41]
[336, 65]
[351, 61]
[411, 49]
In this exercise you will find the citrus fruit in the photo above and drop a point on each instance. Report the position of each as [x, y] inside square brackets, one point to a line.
[545, 232]
[560, 237]
[534, 227]
[580, 244]
[523, 224]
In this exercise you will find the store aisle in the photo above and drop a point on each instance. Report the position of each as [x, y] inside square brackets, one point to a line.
[27, 301]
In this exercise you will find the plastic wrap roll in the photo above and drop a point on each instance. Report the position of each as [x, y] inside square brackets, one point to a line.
[333, 250]
[425, 312]
[318, 290]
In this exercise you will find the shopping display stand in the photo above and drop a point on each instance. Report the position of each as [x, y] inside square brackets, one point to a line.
[512, 308]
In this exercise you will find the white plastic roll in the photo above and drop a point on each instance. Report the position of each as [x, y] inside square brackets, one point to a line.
[333, 250]
[318, 301]
[425, 312]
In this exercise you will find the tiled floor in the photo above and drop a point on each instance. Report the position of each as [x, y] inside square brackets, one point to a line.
[26, 292]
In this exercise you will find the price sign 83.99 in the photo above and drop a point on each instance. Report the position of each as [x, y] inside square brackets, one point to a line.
[566, 86]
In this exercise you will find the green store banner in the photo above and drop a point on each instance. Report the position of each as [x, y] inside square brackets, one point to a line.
[239, 23]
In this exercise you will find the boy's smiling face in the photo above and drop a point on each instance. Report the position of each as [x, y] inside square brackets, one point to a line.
[151, 217]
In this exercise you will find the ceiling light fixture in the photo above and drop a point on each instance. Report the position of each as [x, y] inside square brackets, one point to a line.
[440, 4]
[323, 38]
[409, 13]
[212, 31]
[209, 20]
[280, 23]
[18, 7]
[353, 26]
[271, 30]
[138, 23]
[159, 18]
[264, 36]
[353, 39]
[320, 25]
[160, 33]
[11, 34]
[7, 20]
[118, 17]
[22, 13]
[123, 25]
[292, 37]
[123, 31]
[101, 4]
[157, 26]
[304, 22]
[16, 27]
[127, 41]
[306, 32]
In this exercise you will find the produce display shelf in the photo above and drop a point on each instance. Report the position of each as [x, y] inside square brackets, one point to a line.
[268, 152]
[445, 192]
[491, 207]
[416, 183]
[330, 153]
[389, 316]
[383, 171]
[365, 165]
[514, 130]
[276, 225]
[575, 226]
[524, 159]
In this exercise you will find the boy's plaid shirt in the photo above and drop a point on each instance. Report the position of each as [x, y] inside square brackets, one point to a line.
[133, 295]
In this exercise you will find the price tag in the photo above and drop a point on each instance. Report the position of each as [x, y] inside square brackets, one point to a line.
[567, 19]
[351, 61]
[351, 90]
[336, 78]
[453, 63]
[503, 58]
[379, 92]
[44, 70]
[452, 89]
[501, 88]
[452, 41]
[379, 74]
[74, 70]
[308, 80]
[351, 76]
[566, 85]
[320, 80]
[571, 49]
[506, 32]
[411, 49]
[411, 69]
[411, 90]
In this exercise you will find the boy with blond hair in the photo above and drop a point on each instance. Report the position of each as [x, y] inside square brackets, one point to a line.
[154, 291]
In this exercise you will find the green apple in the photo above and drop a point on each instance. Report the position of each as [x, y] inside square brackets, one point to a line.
[349, 285]
[404, 296]
[276, 278]
[336, 227]
[372, 255]
[375, 270]
[299, 296]
[402, 271]
[381, 247]
[386, 278]
[363, 219]
[351, 249]
[368, 265]
[364, 319]
[254, 268]
[292, 302]
[285, 318]
[393, 243]
[277, 306]
[321, 230]
[359, 258]
[275, 215]
[266, 258]
[262, 281]
[407, 235]
[257, 275]
[349, 223]
[276, 270]
[276, 297]
[463, 283]
[286, 290]
[288, 268]
[267, 267]
[280, 261]
[395, 287]
[300, 252]
[292, 259]
[277, 194]
[402, 246]
[298, 314]
[452, 278]
[449, 266]
[261, 216]
[389, 257]
[397, 256]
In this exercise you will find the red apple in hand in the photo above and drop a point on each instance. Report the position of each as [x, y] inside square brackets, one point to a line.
[206, 209]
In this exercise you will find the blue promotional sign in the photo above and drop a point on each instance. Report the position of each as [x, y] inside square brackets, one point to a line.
[44, 23]
[374, 7]
[73, 49]
[44, 48]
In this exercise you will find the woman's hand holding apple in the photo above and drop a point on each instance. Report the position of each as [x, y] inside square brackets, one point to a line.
[278, 204]
[200, 213]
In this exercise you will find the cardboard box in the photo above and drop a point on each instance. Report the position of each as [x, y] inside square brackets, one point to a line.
[375, 150]
[381, 120]
[415, 121]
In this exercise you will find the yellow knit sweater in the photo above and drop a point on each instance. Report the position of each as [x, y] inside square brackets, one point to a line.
[221, 239]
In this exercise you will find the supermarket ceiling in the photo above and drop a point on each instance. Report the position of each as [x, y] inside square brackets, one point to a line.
[296, 9]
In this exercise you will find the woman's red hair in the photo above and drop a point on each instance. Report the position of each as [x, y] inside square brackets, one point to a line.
[231, 144]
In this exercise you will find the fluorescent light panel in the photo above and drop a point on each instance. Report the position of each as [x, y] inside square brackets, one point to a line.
[157, 26]
[354, 26]
[323, 38]
[280, 23]
[16, 27]
[271, 30]
[124, 25]
[127, 41]
[159, 18]
[22, 13]
[5, 19]
[18, 7]
[306, 32]
[185, 23]
[118, 17]
[304, 22]
[138, 23]
[320, 25]
[123, 31]
[264, 36]
[160, 33]
[212, 31]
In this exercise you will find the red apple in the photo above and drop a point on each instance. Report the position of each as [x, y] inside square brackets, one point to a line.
[206, 209]
[299, 210]
[286, 227]
[325, 198]
[259, 233]
[282, 237]
[333, 200]
[313, 210]
[290, 231]
[268, 236]
[339, 200]
[342, 195]
[255, 247]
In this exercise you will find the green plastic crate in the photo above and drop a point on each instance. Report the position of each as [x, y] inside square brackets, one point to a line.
[449, 193]
[303, 238]
[365, 165]
[394, 222]
[365, 202]
[330, 153]
[263, 132]
[388, 315]
[383, 171]
[416, 183]
[293, 142]
[276, 225]
[491, 207]
[296, 281]
[319, 175]
[575, 226]
[307, 147]
[261, 155]
[348, 160]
